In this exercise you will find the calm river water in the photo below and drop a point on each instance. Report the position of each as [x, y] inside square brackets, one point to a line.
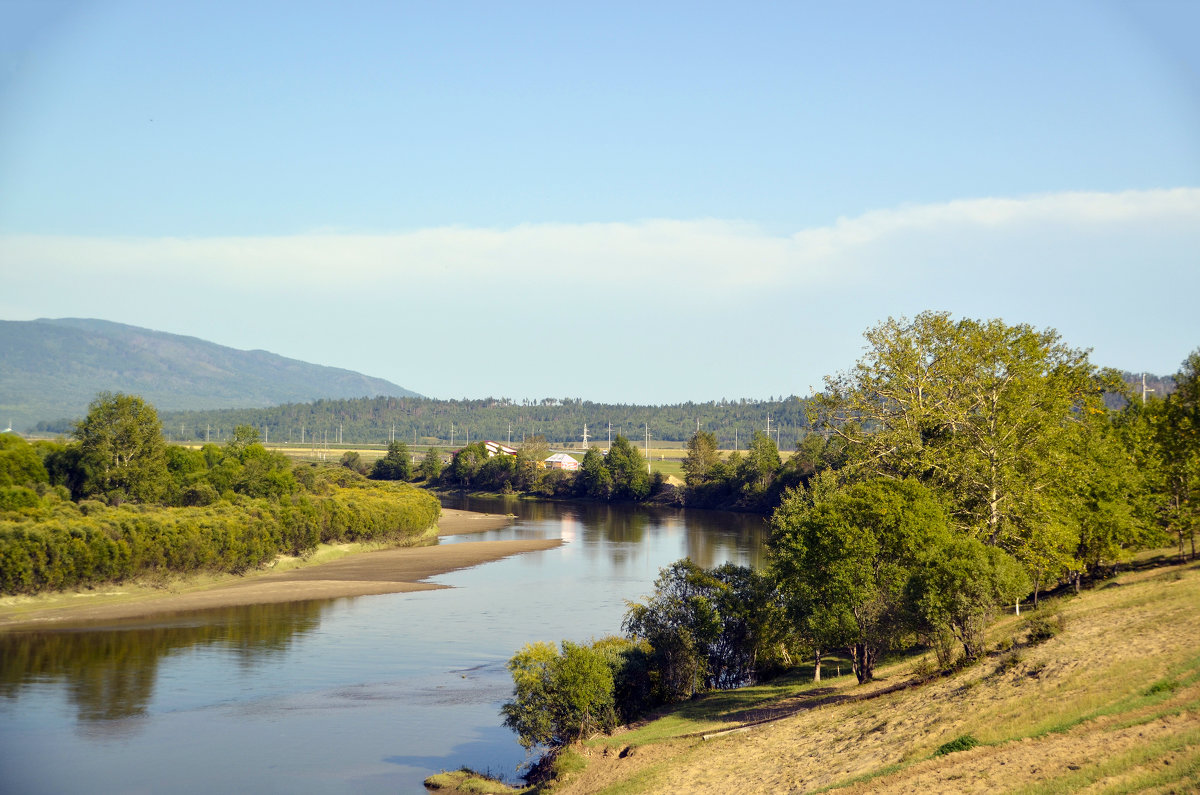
[370, 694]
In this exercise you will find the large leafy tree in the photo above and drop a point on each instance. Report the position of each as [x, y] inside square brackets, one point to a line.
[846, 557]
[1176, 433]
[980, 409]
[123, 449]
[1107, 497]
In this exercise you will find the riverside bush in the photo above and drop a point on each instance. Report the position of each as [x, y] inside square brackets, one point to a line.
[69, 546]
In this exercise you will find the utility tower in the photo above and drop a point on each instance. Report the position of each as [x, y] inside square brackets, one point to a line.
[647, 448]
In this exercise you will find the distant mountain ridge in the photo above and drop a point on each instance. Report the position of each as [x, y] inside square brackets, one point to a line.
[52, 368]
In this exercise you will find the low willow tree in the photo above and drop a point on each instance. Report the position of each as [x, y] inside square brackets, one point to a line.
[709, 629]
[559, 697]
[20, 463]
[958, 587]
[679, 621]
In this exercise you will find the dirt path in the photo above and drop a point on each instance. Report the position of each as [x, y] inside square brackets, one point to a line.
[360, 574]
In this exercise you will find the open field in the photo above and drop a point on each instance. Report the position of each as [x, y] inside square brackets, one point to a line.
[1110, 704]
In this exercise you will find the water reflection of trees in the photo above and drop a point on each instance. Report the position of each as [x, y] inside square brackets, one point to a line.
[711, 537]
[109, 674]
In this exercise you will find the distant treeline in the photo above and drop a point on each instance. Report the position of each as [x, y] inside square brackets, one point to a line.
[451, 423]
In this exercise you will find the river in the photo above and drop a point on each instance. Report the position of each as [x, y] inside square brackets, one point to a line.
[369, 694]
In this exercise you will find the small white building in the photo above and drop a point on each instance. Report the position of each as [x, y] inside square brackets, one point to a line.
[562, 461]
[496, 448]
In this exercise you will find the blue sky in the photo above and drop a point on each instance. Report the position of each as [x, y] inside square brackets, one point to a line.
[621, 202]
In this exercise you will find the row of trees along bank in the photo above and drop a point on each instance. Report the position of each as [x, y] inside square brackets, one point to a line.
[754, 481]
[958, 467]
[118, 502]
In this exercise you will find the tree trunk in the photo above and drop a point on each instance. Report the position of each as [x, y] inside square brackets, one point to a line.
[864, 662]
[817, 665]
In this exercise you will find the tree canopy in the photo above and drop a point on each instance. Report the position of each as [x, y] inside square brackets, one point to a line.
[846, 559]
[979, 409]
[122, 446]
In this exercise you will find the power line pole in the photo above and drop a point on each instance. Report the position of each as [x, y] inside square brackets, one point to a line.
[1144, 389]
[647, 448]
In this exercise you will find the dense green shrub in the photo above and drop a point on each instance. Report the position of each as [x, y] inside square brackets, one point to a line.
[20, 463]
[558, 698]
[963, 743]
[15, 498]
[67, 546]
[1042, 625]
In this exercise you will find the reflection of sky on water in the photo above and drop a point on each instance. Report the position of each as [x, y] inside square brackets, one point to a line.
[368, 694]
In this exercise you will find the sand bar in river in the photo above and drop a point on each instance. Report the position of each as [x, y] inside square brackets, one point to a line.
[359, 574]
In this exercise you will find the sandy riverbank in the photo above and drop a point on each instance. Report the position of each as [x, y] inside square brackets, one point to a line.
[358, 574]
[455, 522]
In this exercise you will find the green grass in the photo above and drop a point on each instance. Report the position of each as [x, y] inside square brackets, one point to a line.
[718, 710]
[467, 780]
[963, 743]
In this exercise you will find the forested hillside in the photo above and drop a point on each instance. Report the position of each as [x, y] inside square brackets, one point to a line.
[51, 369]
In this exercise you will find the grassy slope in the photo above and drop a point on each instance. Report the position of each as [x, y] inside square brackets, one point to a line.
[1110, 705]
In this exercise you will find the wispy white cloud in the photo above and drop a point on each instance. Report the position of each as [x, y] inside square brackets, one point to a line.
[689, 256]
[743, 310]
